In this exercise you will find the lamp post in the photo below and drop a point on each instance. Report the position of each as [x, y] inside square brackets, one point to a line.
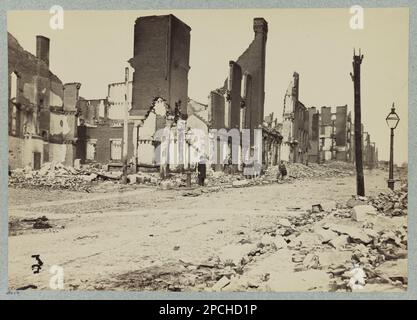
[392, 121]
[125, 127]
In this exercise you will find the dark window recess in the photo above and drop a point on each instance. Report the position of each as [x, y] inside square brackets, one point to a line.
[45, 134]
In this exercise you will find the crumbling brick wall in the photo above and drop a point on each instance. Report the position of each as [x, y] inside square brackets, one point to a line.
[104, 133]
[161, 62]
[217, 106]
[341, 122]
[313, 153]
[37, 90]
[235, 83]
[252, 61]
[295, 127]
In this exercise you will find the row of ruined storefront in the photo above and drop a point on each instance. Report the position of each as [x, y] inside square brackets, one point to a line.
[167, 131]
[317, 135]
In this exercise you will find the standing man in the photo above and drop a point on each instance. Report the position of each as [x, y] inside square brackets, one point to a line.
[282, 171]
[257, 169]
[201, 171]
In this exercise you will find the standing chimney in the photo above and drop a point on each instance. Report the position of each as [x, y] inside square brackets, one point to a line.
[42, 48]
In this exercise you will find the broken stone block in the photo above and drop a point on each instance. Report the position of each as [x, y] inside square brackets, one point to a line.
[240, 183]
[266, 240]
[219, 285]
[356, 233]
[279, 242]
[166, 185]
[362, 212]
[355, 202]
[311, 261]
[297, 258]
[284, 222]
[44, 170]
[133, 178]
[339, 242]
[394, 270]
[316, 208]
[397, 212]
[325, 235]
[307, 240]
[334, 258]
[309, 280]
[90, 177]
[234, 253]
[328, 206]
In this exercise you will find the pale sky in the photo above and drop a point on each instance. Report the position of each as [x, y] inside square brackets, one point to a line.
[94, 46]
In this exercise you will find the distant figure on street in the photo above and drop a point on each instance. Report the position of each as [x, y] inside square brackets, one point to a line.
[230, 165]
[257, 169]
[201, 171]
[282, 171]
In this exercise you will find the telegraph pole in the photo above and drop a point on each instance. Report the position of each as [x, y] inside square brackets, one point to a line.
[356, 78]
[125, 127]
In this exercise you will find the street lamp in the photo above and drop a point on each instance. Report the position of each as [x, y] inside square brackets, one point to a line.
[392, 121]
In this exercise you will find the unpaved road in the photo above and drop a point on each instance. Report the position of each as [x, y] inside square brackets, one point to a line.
[106, 237]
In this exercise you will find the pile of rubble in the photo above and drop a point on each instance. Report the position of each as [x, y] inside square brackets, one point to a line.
[314, 170]
[147, 178]
[50, 176]
[392, 204]
[220, 179]
[54, 175]
[18, 226]
[363, 251]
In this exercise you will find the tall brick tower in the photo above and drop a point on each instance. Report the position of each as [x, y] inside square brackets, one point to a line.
[161, 62]
[252, 61]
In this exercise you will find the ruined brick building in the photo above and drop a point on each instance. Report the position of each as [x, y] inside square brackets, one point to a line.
[335, 129]
[370, 152]
[48, 121]
[271, 141]
[332, 137]
[42, 110]
[313, 133]
[239, 103]
[295, 125]
[157, 98]
[317, 136]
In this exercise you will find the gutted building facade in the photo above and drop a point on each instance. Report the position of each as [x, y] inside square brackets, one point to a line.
[156, 99]
[160, 61]
[239, 103]
[313, 132]
[295, 125]
[335, 134]
[42, 110]
[332, 137]
[271, 141]
[330, 134]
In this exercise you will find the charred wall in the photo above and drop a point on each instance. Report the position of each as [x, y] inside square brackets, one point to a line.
[161, 62]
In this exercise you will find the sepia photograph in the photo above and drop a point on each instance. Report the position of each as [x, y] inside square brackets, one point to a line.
[208, 150]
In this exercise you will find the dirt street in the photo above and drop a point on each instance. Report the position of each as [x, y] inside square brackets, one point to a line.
[148, 239]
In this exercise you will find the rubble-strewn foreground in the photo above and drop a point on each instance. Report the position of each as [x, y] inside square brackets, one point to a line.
[236, 234]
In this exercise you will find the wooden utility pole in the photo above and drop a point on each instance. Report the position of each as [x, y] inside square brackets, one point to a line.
[125, 127]
[356, 78]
